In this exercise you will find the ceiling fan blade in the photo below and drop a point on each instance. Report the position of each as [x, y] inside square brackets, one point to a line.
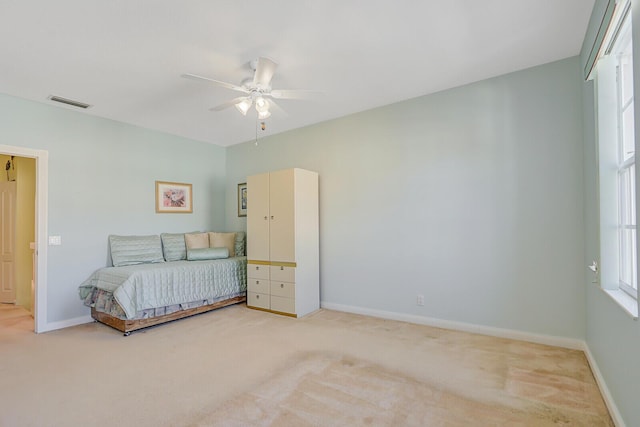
[264, 72]
[228, 104]
[277, 109]
[216, 82]
[294, 94]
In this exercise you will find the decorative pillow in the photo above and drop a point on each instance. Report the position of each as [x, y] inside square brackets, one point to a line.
[131, 250]
[196, 240]
[173, 246]
[223, 240]
[240, 243]
[207, 253]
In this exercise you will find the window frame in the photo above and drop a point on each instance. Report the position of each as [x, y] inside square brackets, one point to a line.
[622, 47]
[618, 185]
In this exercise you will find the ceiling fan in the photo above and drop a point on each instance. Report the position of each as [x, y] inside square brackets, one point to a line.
[257, 91]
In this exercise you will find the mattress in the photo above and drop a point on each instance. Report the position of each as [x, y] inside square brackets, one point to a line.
[147, 290]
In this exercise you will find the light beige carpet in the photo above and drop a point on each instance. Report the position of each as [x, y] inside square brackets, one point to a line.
[237, 367]
[327, 389]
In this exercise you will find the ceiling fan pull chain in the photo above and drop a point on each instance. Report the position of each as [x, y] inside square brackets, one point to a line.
[256, 142]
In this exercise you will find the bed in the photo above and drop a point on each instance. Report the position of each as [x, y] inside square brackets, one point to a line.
[157, 279]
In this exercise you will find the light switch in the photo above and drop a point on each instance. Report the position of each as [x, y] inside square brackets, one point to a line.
[55, 240]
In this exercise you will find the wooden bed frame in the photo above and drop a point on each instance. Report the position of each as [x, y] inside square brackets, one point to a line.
[128, 326]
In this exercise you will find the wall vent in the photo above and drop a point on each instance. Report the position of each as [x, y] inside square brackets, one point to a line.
[69, 101]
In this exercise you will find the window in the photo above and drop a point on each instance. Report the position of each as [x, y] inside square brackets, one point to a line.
[621, 50]
[617, 161]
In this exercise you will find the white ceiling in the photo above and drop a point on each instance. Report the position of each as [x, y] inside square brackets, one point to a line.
[125, 57]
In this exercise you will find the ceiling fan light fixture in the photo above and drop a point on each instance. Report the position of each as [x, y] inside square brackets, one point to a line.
[264, 114]
[243, 106]
[262, 105]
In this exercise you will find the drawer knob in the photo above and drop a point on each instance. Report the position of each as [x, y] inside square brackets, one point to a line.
[265, 218]
[281, 268]
[257, 282]
[257, 296]
[282, 285]
[271, 216]
[257, 267]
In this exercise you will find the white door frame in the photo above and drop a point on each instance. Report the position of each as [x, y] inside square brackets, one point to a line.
[42, 209]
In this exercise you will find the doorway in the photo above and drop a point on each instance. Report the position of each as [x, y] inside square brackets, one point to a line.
[17, 225]
[8, 213]
[36, 293]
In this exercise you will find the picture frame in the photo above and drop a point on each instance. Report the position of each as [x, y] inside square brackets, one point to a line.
[242, 199]
[174, 197]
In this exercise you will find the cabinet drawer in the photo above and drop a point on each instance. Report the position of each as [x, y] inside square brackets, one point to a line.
[283, 305]
[259, 286]
[283, 274]
[258, 300]
[258, 271]
[283, 289]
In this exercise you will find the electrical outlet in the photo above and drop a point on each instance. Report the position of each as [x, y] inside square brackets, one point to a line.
[420, 300]
[55, 240]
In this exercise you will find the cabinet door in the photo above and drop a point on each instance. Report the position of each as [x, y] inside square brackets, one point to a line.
[282, 216]
[258, 217]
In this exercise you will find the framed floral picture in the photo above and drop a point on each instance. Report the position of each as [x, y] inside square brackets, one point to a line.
[242, 199]
[173, 197]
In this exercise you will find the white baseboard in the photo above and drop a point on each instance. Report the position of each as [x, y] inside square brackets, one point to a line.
[606, 394]
[52, 326]
[574, 344]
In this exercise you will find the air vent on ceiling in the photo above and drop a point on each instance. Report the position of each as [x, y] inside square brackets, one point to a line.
[69, 101]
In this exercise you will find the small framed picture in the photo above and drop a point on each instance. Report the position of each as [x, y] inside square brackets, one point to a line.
[242, 199]
[173, 197]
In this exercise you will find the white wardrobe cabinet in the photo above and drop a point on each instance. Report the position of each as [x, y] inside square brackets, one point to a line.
[283, 242]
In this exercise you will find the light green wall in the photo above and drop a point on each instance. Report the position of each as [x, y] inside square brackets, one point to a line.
[102, 181]
[612, 336]
[472, 197]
